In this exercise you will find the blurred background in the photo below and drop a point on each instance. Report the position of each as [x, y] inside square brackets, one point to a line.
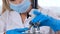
[53, 5]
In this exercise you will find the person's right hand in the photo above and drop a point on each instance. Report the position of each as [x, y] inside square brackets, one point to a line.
[17, 31]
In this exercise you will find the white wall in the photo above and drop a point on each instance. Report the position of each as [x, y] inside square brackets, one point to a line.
[0, 2]
[49, 3]
[0, 6]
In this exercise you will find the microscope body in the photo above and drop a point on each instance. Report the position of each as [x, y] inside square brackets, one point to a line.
[33, 16]
[35, 26]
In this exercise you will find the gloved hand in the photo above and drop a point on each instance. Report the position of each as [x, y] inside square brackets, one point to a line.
[17, 31]
[39, 17]
[45, 20]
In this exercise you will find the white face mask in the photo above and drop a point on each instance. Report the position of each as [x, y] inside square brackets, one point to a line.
[22, 7]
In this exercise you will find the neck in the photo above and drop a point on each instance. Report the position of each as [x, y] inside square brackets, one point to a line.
[24, 15]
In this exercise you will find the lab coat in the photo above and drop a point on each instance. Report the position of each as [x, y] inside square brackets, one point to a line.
[12, 20]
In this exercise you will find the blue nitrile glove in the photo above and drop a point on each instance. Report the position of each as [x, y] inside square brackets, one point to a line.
[45, 20]
[17, 31]
[52, 23]
[38, 18]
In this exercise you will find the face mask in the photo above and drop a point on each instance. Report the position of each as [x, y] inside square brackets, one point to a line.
[22, 7]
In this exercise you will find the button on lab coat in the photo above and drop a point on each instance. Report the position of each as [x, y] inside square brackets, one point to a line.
[12, 20]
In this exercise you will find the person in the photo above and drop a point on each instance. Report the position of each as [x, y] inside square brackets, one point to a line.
[15, 16]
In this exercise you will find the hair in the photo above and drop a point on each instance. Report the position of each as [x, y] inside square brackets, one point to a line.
[5, 6]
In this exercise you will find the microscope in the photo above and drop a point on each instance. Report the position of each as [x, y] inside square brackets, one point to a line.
[35, 6]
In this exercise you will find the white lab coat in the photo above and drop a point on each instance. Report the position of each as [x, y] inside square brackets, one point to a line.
[12, 20]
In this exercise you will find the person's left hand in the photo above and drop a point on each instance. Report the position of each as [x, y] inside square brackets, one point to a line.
[17, 31]
[45, 20]
[39, 17]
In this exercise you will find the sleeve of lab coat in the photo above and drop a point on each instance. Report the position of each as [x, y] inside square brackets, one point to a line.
[1, 27]
[3, 19]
